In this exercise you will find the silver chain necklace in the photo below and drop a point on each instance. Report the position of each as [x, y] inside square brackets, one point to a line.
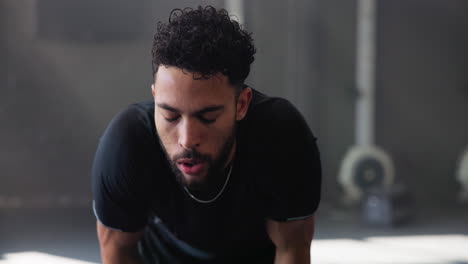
[216, 197]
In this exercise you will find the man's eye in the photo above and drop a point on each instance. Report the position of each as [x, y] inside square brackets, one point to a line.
[171, 119]
[206, 120]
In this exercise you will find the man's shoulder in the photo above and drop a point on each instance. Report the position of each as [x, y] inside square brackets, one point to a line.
[282, 158]
[131, 129]
[270, 114]
[134, 117]
[274, 128]
[139, 111]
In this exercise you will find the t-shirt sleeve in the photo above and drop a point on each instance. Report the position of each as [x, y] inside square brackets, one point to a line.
[119, 175]
[291, 169]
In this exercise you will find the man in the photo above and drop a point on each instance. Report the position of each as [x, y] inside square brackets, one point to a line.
[210, 170]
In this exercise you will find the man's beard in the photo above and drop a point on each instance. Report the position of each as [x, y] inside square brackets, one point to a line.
[215, 167]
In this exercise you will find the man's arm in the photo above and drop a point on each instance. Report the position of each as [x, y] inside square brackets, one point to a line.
[292, 240]
[118, 247]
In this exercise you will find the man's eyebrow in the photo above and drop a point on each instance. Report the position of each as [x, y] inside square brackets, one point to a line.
[168, 107]
[207, 109]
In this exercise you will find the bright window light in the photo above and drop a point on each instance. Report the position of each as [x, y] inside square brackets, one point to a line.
[428, 249]
[38, 258]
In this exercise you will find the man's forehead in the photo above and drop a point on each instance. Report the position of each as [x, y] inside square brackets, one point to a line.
[189, 104]
[177, 85]
[176, 89]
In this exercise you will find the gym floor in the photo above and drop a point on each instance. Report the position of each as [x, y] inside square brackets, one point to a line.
[67, 236]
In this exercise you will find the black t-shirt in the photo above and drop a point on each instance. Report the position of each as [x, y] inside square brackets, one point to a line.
[276, 175]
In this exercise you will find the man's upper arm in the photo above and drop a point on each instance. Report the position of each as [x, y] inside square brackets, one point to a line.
[288, 166]
[121, 182]
[292, 239]
[121, 173]
[291, 184]
[117, 246]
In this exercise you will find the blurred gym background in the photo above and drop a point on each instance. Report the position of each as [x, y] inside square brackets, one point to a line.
[386, 77]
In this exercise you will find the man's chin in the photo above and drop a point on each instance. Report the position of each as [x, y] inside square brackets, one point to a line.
[193, 182]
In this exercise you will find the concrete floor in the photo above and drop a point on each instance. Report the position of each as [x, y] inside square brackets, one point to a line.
[67, 236]
[433, 236]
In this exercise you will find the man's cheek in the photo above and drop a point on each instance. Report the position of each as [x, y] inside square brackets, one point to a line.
[167, 142]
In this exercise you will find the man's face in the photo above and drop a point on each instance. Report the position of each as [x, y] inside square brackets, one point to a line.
[195, 121]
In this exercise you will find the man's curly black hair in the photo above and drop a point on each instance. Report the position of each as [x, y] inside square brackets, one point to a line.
[204, 41]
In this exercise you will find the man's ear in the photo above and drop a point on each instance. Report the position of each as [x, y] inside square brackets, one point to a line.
[243, 102]
[152, 90]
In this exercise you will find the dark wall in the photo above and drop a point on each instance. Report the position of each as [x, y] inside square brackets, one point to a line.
[336, 81]
[422, 92]
[61, 91]
[57, 94]
[421, 82]
[286, 64]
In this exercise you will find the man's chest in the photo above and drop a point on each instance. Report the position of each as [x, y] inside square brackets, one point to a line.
[235, 221]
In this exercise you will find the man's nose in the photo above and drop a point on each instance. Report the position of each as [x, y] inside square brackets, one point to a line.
[189, 134]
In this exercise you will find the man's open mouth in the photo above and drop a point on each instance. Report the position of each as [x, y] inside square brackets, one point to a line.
[188, 162]
[191, 166]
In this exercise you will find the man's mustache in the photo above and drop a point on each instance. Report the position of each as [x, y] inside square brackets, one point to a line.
[191, 154]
